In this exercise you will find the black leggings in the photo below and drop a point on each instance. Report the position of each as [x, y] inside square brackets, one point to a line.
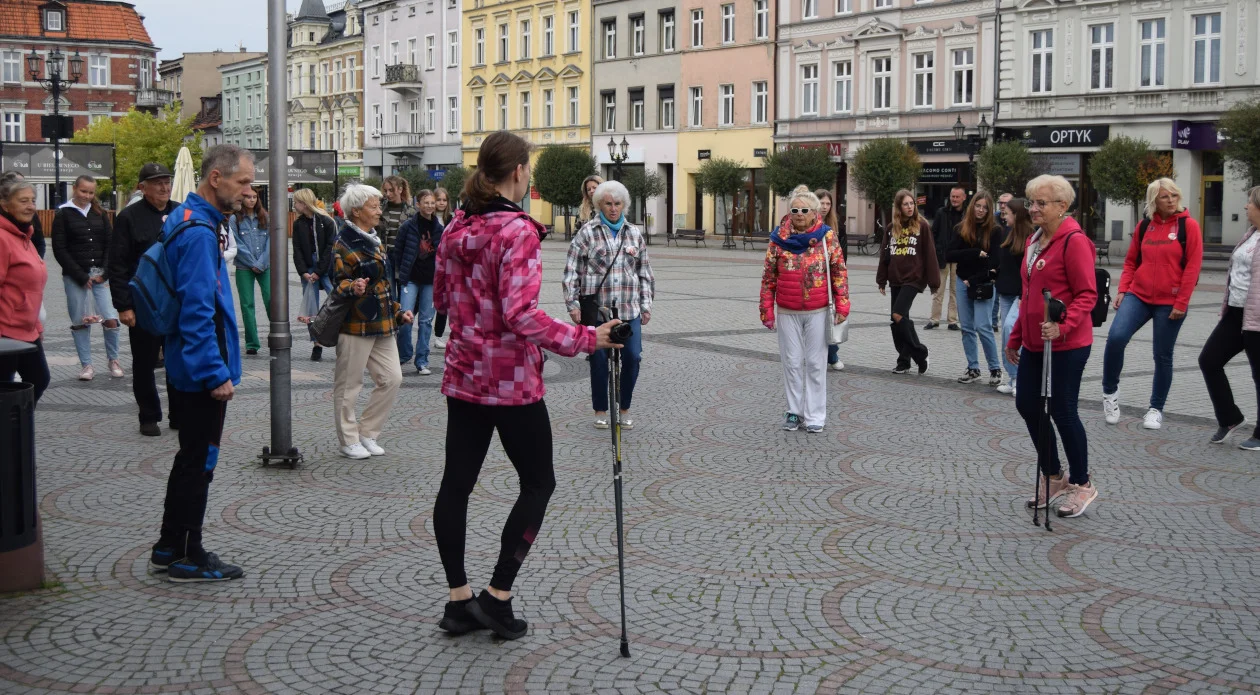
[905, 339]
[1226, 341]
[31, 366]
[525, 431]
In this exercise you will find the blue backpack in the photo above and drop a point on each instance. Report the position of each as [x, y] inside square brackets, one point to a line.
[153, 285]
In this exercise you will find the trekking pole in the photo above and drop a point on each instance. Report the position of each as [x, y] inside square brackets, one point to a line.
[1044, 454]
[614, 411]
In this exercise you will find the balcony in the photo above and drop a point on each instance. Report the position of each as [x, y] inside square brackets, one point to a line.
[402, 143]
[402, 78]
[154, 98]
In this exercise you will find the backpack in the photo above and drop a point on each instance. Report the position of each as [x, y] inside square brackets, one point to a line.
[153, 285]
[1102, 286]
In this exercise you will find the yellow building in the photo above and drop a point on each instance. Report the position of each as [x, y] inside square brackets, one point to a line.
[527, 70]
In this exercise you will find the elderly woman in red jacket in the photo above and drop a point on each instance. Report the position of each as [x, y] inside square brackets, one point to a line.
[22, 279]
[795, 285]
[1059, 258]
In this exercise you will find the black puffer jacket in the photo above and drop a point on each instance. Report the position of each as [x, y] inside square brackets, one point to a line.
[80, 242]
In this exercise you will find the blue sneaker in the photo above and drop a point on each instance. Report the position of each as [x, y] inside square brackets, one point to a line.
[791, 422]
[211, 569]
[813, 429]
[160, 559]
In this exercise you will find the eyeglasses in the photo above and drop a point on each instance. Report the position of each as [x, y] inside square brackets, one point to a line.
[1043, 203]
[801, 211]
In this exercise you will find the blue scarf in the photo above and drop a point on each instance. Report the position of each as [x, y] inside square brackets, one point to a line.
[800, 243]
[614, 228]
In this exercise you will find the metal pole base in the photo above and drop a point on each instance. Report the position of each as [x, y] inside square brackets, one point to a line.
[291, 459]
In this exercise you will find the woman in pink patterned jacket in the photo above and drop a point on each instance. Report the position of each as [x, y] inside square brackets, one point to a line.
[487, 278]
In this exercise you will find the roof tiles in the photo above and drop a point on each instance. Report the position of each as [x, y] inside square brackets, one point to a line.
[89, 20]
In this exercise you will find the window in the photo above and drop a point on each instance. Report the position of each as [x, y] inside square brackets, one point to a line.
[1043, 61]
[430, 115]
[311, 79]
[728, 24]
[452, 48]
[1102, 51]
[479, 47]
[610, 112]
[98, 70]
[575, 40]
[844, 6]
[573, 105]
[809, 9]
[311, 134]
[1153, 46]
[350, 78]
[227, 109]
[548, 108]
[761, 10]
[452, 114]
[668, 41]
[338, 76]
[54, 20]
[964, 76]
[393, 117]
[376, 64]
[525, 38]
[809, 90]
[503, 112]
[249, 106]
[881, 75]
[1207, 48]
[760, 102]
[12, 67]
[430, 52]
[411, 52]
[549, 36]
[378, 124]
[640, 35]
[697, 28]
[666, 118]
[394, 57]
[610, 39]
[479, 121]
[697, 107]
[636, 109]
[726, 104]
[525, 108]
[883, 4]
[924, 66]
[413, 111]
[503, 43]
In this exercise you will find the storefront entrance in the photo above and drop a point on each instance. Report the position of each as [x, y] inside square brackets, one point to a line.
[1212, 198]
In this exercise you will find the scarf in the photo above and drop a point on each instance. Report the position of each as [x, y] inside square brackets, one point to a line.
[370, 236]
[614, 228]
[799, 242]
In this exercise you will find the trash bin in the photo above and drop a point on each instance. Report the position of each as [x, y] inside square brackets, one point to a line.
[17, 466]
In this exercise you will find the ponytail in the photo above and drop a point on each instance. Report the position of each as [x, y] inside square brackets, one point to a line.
[498, 157]
[478, 190]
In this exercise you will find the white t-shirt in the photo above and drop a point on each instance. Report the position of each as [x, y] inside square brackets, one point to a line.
[1240, 271]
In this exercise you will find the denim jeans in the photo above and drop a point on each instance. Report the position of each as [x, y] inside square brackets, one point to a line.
[833, 354]
[419, 300]
[1009, 304]
[630, 356]
[1130, 317]
[971, 311]
[77, 303]
[1066, 369]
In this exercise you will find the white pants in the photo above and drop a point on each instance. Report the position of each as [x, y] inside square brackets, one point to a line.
[803, 345]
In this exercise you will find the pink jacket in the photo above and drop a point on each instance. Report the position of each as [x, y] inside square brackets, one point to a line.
[22, 279]
[489, 271]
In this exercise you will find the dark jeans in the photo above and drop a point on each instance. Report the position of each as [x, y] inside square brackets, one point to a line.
[145, 348]
[905, 339]
[201, 418]
[1227, 340]
[1066, 368]
[525, 431]
[1130, 317]
[31, 366]
[630, 356]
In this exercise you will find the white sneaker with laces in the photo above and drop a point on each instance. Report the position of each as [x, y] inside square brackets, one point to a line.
[355, 451]
[115, 369]
[1008, 387]
[1153, 419]
[439, 343]
[1111, 407]
[601, 422]
[423, 371]
[372, 447]
[837, 366]
[87, 373]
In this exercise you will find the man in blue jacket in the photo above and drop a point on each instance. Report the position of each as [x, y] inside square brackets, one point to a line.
[203, 363]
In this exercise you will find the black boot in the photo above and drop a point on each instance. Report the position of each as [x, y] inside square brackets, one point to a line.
[457, 620]
[497, 615]
[317, 353]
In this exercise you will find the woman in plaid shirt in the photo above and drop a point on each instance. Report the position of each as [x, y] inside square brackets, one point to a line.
[608, 258]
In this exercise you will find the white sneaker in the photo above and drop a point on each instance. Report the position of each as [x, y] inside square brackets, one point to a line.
[355, 451]
[372, 447]
[1008, 387]
[1111, 407]
[838, 366]
[423, 371]
[1012, 390]
[439, 343]
[87, 373]
[1153, 419]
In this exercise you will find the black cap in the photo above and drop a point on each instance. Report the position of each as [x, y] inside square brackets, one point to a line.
[153, 170]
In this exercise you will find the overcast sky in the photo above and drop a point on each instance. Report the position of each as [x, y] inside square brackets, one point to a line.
[187, 26]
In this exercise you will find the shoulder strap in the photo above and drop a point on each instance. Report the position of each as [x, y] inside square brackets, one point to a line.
[1140, 236]
[1181, 239]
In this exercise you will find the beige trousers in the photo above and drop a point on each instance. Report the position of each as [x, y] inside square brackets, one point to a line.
[378, 354]
[946, 293]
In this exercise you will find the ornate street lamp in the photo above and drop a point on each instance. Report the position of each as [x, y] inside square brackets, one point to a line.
[972, 142]
[618, 156]
[55, 84]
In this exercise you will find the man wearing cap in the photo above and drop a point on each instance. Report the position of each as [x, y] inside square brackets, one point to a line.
[136, 228]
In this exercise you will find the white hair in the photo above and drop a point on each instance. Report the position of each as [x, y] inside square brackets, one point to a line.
[1056, 185]
[613, 188]
[807, 196]
[356, 196]
[1152, 194]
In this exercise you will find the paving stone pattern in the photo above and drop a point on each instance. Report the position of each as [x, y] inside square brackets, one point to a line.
[890, 554]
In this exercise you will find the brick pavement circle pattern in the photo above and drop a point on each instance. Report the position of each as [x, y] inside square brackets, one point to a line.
[891, 553]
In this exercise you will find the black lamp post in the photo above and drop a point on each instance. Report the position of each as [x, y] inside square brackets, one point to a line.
[55, 83]
[973, 142]
[618, 157]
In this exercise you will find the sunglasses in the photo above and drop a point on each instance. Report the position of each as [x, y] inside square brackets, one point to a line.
[801, 211]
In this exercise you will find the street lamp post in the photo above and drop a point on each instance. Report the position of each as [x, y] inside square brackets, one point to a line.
[55, 83]
[618, 157]
[974, 142]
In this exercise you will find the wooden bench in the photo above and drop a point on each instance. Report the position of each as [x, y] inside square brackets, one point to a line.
[1102, 249]
[757, 237]
[696, 235]
[864, 244]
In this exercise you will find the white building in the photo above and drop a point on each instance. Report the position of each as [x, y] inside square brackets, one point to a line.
[411, 85]
[245, 103]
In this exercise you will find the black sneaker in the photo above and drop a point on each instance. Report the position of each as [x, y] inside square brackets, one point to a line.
[160, 559]
[930, 325]
[955, 327]
[995, 377]
[901, 369]
[791, 422]
[211, 569]
[969, 377]
[497, 615]
[457, 620]
[923, 366]
[251, 351]
[150, 429]
[317, 353]
[1222, 433]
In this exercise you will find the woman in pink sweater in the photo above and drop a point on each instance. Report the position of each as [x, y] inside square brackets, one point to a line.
[22, 279]
[488, 272]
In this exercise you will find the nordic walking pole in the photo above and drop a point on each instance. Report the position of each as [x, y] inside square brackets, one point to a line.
[1044, 455]
[614, 409]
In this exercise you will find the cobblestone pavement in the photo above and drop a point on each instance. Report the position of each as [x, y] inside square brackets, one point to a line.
[890, 554]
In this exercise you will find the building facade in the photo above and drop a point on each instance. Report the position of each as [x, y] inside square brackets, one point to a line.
[209, 121]
[244, 103]
[411, 85]
[857, 70]
[637, 76]
[325, 82]
[526, 68]
[193, 76]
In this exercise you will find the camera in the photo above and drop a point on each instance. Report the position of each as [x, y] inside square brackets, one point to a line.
[621, 332]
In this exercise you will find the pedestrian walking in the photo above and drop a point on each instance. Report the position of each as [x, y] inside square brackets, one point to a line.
[488, 275]
[828, 214]
[415, 251]
[203, 363]
[1010, 278]
[1237, 331]
[396, 209]
[23, 277]
[253, 262]
[137, 228]
[608, 258]
[907, 262]
[589, 209]
[361, 269]
[1058, 258]
[1160, 272]
[443, 212]
[37, 236]
[314, 232]
[944, 227]
[802, 256]
[80, 237]
[974, 251]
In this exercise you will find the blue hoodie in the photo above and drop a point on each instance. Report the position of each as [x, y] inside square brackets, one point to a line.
[207, 350]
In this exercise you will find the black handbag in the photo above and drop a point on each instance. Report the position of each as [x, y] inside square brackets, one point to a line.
[980, 291]
[588, 304]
